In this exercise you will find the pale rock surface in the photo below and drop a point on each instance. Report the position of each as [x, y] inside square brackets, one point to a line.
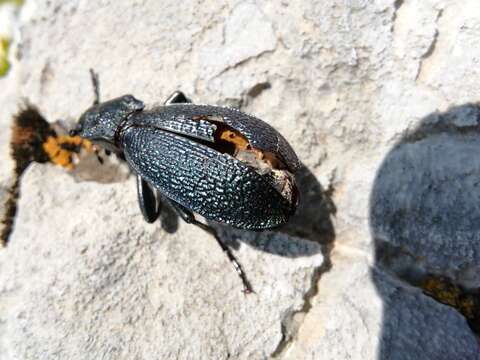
[95, 281]
[346, 312]
[349, 84]
[9, 102]
[7, 20]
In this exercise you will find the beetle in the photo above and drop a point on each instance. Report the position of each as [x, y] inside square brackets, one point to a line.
[218, 162]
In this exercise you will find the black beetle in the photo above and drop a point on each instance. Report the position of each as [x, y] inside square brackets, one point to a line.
[218, 162]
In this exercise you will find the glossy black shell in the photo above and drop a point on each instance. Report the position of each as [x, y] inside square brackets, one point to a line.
[215, 185]
[260, 135]
[161, 146]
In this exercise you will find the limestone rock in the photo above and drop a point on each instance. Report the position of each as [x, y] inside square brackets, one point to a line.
[84, 277]
[377, 98]
[378, 318]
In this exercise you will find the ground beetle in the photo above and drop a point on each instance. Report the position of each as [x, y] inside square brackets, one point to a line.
[218, 162]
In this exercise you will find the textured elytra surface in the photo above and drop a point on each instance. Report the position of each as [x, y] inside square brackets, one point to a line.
[200, 129]
[343, 82]
[259, 134]
[212, 184]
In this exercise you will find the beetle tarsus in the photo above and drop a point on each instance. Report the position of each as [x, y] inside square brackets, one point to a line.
[189, 218]
[96, 88]
[247, 287]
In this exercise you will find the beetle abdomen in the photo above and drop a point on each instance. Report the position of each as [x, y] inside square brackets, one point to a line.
[215, 185]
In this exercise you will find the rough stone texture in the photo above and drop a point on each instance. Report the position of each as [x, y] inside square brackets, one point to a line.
[346, 312]
[132, 291]
[373, 97]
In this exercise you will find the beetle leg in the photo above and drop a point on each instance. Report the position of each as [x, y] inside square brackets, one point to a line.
[96, 88]
[177, 97]
[189, 218]
[149, 205]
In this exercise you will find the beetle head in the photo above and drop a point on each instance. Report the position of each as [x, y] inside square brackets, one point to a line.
[100, 123]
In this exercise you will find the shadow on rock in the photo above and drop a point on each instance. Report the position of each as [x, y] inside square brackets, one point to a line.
[312, 221]
[425, 219]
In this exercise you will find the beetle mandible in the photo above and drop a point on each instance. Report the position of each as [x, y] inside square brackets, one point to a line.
[216, 161]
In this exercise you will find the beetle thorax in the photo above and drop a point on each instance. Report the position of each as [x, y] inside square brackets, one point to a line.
[103, 122]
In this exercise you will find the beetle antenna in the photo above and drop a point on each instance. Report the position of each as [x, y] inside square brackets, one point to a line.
[96, 89]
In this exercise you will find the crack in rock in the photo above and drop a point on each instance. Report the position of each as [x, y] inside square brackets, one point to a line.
[293, 320]
[242, 62]
[431, 48]
[424, 210]
[289, 325]
[410, 269]
[229, 45]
